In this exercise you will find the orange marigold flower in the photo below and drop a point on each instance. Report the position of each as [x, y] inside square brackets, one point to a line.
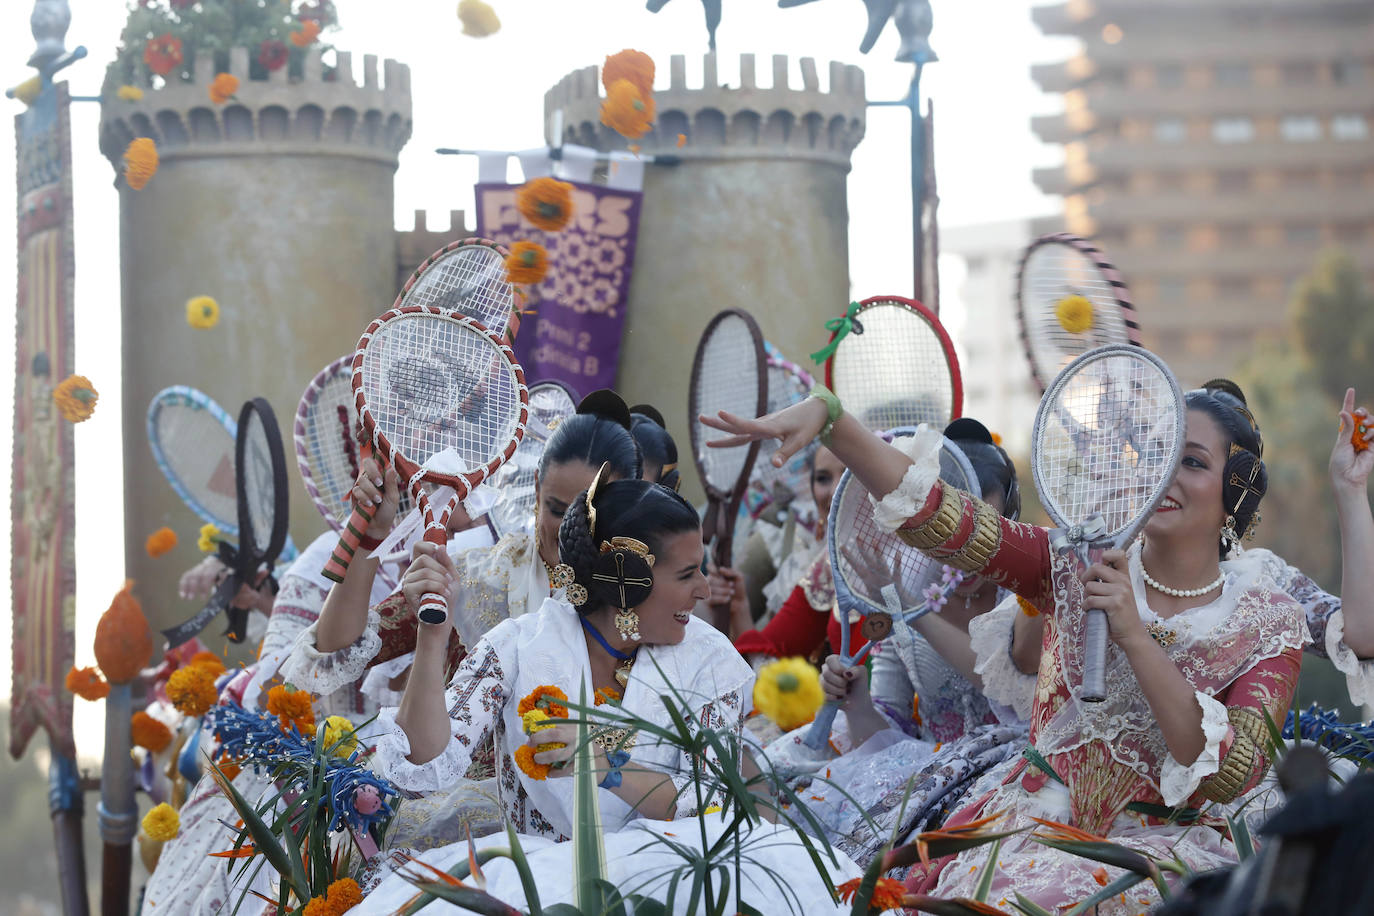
[309, 31]
[340, 897]
[527, 262]
[524, 759]
[140, 163]
[546, 203]
[75, 398]
[230, 769]
[634, 66]
[1100, 875]
[163, 54]
[544, 697]
[87, 683]
[191, 688]
[223, 87]
[1027, 608]
[681, 140]
[149, 732]
[606, 695]
[627, 111]
[209, 660]
[292, 707]
[1357, 440]
[887, 894]
[160, 542]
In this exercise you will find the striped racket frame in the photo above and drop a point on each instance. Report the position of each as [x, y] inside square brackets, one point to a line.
[494, 315]
[723, 499]
[1115, 320]
[1059, 429]
[183, 396]
[355, 529]
[851, 525]
[844, 381]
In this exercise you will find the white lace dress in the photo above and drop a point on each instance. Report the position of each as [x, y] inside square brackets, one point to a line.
[187, 880]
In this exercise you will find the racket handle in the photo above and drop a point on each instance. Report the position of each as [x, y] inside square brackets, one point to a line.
[818, 735]
[433, 608]
[1094, 657]
[353, 532]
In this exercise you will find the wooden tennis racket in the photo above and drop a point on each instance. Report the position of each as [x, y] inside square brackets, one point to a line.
[1069, 300]
[467, 277]
[444, 402]
[893, 365]
[1106, 445]
[729, 372]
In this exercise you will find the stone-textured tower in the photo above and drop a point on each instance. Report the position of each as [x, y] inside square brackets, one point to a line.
[279, 204]
[754, 217]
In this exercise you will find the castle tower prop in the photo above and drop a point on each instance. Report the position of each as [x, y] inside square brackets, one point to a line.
[279, 204]
[754, 217]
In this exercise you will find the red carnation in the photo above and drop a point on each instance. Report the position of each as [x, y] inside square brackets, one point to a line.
[163, 54]
[272, 54]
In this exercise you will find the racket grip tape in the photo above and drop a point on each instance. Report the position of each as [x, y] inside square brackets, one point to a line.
[1094, 657]
[350, 538]
[818, 735]
[433, 608]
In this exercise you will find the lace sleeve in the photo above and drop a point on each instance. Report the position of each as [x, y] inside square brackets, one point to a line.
[1326, 621]
[725, 713]
[990, 637]
[475, 698]
[323, 673]
[1176, 781]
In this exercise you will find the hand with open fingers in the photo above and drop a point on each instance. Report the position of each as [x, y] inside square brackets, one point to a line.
[200, 580]
[430, 572]
[847, 686]
[381, 490]
[1350, 463]
[793, 427]
[1107, 587]
[559, 759]
[877, 571]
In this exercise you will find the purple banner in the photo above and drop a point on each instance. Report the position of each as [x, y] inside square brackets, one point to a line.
[579, 309]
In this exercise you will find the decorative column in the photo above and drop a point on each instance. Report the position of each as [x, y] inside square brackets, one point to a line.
[279, 205]
[755, 216]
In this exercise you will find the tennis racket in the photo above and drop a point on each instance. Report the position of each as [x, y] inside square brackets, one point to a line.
[467, 277]
[861, 553]
[788, 384]
[444, 402]
[729, 372]
[893, 365]
[1053, 269]
[262, 509]
[550, 404]
[192, 439]
[1106, 444]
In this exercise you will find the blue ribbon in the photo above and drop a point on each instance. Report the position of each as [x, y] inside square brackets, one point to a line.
[614, 777]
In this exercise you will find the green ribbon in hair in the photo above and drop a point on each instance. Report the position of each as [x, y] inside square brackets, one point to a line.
[841, 328]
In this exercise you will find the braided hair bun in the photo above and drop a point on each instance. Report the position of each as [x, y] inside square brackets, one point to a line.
[656, 446]
[1244, 478]
[598, 432]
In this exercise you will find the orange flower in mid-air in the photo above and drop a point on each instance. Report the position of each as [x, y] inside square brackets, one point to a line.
[223, 87]
[627, 111]
[140, 163]
[75, 398]
[309, 31]
[632, 65]
[546, 202]
[191, 689]
[160, 542]
[527, 262]
[87, 683]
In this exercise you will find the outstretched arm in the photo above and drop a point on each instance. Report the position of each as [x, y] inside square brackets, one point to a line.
[1350, 482]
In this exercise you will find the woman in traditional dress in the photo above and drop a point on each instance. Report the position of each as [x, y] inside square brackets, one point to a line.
[1197, 660]
[632, 555]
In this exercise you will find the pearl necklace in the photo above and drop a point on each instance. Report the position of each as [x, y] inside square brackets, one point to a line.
[1180, 592]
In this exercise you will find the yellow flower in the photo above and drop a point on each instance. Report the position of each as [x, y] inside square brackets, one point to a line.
[527, 262]
[160, 542]
[223, 87]
[1075, 314]
[209, 539]
[530, 721]
[130, 93]
[627, 111]
[788, 691]
[162, 823]
[140, 163]
[712, 809]
[338, 730]
[202, 312]
[75, 398]
[479, 20]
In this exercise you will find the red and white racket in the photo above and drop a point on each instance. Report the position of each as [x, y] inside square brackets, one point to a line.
[1069, 300]
[893, 364]
[468, 277]
[444, 403]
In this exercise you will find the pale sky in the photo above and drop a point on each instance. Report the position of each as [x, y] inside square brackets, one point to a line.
[488, 94]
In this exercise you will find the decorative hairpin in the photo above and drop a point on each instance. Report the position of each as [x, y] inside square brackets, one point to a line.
[592, 491]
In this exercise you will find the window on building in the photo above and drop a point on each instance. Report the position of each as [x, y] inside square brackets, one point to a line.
[1169, 181]
[1233, 287]
[1172, 289]
[1349, 127]
[1233, 130]
[1230, 181]
[1170, 236]
[1231, 75]
[1351, 177]
[1300, 179]
[1168, 76]
[1300, 128]
[1301, 234]
[1234, 236]
[1299, 73]
[1171, 130]
[1347, 72]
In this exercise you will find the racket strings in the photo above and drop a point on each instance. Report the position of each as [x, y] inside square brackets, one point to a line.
[259, 480]
[515, 508]
[327, 421]
[896, 373]
[470, 280]
[199, 451]
[1052, 273]
[727, 379]
[1109, 443]
[434, 386]
[859, 537]
[785, 388]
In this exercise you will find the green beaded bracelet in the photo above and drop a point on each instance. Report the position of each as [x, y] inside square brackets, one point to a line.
[833, 409]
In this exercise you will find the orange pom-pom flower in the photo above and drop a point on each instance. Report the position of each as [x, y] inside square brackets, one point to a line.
[87, 683]
[160, 542]
[309, 31]
[546, 203]
[223, 87]
[149, 732]
[140, 163]
[527, 262]
[163, 54]
[634, 66]
[627, 111]
[292, 707]
[75, 398]
[192, 689]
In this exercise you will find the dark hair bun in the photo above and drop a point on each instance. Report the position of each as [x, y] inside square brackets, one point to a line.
[967, 429]
[648, 412]
[606, 403]
[1227, 386]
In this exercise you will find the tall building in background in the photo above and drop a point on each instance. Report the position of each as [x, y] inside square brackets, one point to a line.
[1213, 150]
[998, 389]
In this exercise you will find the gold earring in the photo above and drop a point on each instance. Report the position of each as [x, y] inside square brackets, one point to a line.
[627, 624]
